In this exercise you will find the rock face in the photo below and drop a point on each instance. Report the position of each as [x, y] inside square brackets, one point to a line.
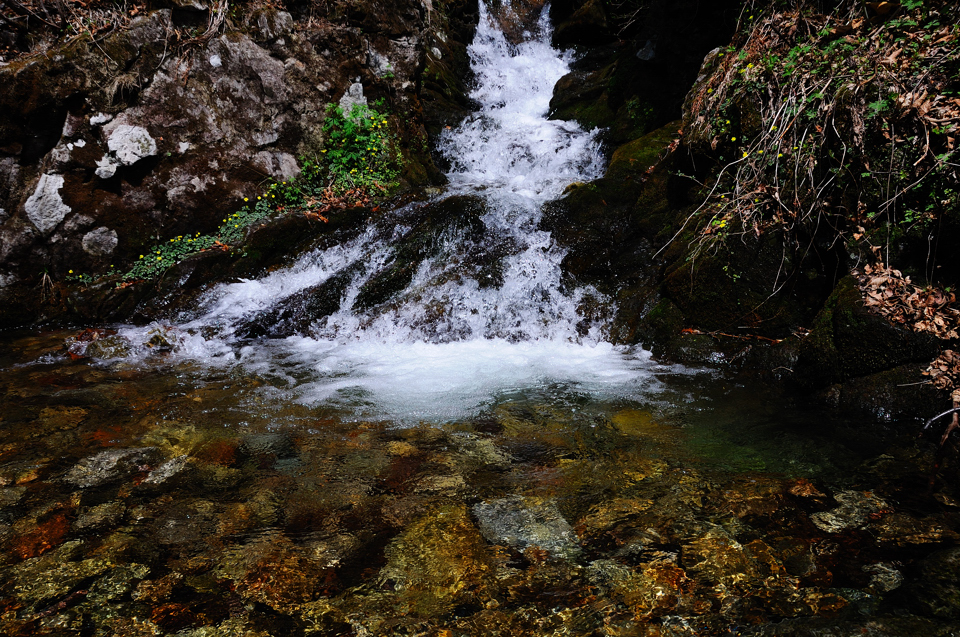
[101, 157]
[642, 233]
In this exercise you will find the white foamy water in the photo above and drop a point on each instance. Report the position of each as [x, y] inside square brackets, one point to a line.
[460, 336]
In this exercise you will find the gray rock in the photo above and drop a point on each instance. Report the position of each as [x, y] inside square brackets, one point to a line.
[100, 242]
[526, 522]
[274, 24]
[45, 207]
[167, 470]
[101, 516]
[108, 466]
[352, 97]
[106, 167]
[130, 144]
[853, 512]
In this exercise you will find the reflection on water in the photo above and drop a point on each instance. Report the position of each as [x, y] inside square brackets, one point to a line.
[172, 499]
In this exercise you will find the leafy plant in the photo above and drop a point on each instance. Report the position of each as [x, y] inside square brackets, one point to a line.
[359, 149]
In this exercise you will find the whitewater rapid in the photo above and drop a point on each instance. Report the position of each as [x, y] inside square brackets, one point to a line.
[449, 345]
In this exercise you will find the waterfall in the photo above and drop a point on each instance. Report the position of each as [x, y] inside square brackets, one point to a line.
[484, 310]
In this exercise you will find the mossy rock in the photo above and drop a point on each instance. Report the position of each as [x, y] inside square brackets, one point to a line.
[592, 222]
[630, 163]
[587, 25]
[898, 394]
[936, 592]
[848, 340]
[659, 326]
[731, 289]
[581, 96]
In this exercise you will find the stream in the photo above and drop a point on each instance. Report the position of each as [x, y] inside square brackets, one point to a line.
[424, 430]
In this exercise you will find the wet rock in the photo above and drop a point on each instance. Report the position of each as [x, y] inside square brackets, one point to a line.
[279, 445]
[854, 627]
[438, 561]
[42, 529]
[10, 496]
[237, 627]
[447, 485]
[610, 516]
[41, 580]
[522, 522]
[332, 551]
[158, 589]
[59, 418]
[99, 517]
[162, 338]
[853, 513]
[218, 477]
[904, 530]
[117, 582]
[166, 471]
[936, 588]
[272, 571]
[883, 578]
[110, 465]
[717, 558]
[654, 590]
[186, 522]
[108, 347]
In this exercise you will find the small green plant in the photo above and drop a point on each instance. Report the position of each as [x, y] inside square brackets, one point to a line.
[164, 255]
[359, 149]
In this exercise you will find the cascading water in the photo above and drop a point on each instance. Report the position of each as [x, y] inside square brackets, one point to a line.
[483, 310]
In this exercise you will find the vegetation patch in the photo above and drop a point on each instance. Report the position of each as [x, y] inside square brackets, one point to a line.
[357, 163]
[359, 151]
[843, 124]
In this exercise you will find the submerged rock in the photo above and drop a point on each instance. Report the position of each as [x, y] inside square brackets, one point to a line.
[167, 470]
[523, 523]
[936, 590]
[100, 516]
[854, 511]
[438, 561]
[54, 575]
[109, 465]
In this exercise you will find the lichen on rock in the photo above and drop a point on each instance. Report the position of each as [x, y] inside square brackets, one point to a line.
[45, 207]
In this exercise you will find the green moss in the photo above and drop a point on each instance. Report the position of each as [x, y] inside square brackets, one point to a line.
[848, 340]
[631, 161]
